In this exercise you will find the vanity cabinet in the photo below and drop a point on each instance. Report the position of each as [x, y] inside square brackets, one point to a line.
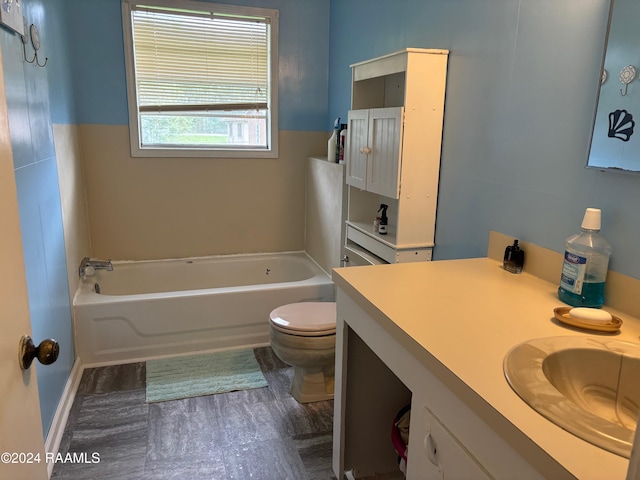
[404, 337]
[393, 153]
[376, 376]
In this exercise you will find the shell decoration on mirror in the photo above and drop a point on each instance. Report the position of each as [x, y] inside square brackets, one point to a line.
[621, 124]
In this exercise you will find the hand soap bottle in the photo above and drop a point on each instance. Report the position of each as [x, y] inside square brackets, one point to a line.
[586, 260]
[513, 258]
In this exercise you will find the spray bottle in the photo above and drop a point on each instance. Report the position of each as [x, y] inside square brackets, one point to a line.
[332, 144]
[383, 219]
[342, 141]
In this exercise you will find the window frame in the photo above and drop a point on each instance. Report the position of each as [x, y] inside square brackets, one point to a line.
[212, 152]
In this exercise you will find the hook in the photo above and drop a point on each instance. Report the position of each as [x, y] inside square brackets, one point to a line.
[46, 59]
[35, 57]
[25, 40]
[626, 88]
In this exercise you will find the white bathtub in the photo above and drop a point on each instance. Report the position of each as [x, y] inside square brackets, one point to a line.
[154, 308]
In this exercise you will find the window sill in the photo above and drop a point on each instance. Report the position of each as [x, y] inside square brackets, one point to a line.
[202, 153]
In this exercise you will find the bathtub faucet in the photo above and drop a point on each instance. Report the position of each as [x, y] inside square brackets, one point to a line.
[87, 266]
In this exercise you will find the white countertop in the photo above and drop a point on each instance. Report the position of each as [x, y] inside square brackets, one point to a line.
[468, 314]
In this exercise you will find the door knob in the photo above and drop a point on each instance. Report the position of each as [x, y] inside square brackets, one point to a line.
[46, 353]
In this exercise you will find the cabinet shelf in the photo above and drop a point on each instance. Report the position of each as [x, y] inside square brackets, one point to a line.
[389, 239]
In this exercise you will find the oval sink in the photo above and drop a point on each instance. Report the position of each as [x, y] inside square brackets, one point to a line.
[588, 386]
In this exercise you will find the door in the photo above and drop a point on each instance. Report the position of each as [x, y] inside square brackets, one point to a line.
[21, 439]
[356, 154]
[385, 142]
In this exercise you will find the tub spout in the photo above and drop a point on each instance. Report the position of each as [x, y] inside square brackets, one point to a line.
[94, 264]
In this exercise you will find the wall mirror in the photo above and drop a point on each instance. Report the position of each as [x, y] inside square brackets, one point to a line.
[615, 140]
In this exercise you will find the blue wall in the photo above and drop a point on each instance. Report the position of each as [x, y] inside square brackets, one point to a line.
[60, 36]
[521, 90]
[28, 100]
[97, 62]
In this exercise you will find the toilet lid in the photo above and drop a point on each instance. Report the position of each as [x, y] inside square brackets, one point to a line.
[305, 318]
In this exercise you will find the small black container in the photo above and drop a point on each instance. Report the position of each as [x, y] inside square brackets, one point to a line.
[513, 258]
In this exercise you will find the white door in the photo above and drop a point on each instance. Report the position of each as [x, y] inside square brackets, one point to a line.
[356, 148]
[385, 141]
[22, 453]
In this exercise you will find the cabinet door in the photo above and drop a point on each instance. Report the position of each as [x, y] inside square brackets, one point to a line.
[357, 148]
[434, 453]
[385, 144]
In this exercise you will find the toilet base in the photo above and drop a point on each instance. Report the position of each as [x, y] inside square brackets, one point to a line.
[312, 384]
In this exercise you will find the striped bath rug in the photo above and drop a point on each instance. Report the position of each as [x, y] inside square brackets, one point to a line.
[203, 374]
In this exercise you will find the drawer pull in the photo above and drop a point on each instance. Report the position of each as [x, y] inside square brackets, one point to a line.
[431, 449]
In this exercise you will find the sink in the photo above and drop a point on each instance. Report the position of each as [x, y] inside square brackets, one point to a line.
[587, 385]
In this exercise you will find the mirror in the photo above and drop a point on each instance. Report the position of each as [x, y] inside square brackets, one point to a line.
[615, 140]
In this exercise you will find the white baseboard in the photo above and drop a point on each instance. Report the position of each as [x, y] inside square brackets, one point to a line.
[54, 437]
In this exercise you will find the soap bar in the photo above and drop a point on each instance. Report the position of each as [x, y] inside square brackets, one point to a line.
[590, 315]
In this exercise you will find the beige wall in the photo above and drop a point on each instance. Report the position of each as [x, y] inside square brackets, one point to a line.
[73, 200]
[325, 212]
[150, 208]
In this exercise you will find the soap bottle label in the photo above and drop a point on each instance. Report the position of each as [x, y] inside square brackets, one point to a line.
[573, 271]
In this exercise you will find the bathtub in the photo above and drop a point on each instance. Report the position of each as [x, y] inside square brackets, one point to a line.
[145, 309]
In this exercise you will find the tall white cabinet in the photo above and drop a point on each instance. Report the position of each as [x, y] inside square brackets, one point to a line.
[393, 154]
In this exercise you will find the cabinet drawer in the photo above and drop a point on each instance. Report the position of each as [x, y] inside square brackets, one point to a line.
[358, 256]
[385, 252]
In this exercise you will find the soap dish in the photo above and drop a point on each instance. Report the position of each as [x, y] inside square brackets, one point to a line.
[562, 315]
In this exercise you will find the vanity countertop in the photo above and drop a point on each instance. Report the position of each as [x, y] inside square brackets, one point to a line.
[466, 315]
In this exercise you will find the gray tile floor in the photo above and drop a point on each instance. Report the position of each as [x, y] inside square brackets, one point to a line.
[259, 434]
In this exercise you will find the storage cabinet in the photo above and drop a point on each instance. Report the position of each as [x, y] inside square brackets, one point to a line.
[393, 153]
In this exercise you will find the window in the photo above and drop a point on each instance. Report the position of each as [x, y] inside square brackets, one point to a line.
[201, 79]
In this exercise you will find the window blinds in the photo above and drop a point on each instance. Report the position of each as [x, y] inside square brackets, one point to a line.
[188, 61]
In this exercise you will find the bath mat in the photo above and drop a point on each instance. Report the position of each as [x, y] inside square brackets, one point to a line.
[206, 374]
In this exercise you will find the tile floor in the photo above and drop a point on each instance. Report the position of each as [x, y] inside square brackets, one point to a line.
[259, 434]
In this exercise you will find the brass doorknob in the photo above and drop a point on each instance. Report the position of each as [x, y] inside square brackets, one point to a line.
[46, 353]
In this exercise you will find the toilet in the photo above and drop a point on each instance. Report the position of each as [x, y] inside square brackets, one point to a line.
[304, 335]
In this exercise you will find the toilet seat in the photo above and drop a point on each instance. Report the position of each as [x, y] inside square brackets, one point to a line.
[305, 319]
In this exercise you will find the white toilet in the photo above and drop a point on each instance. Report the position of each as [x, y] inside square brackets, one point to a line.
[304, 335]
